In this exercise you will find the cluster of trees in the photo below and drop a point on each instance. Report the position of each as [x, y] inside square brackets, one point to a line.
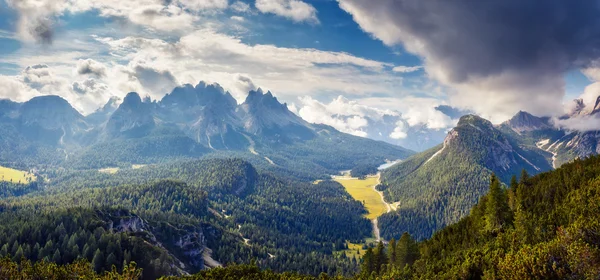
[361, 171]
[541, 227]
[14, 189]
[85, 224]
[81, 269]
[385, 259]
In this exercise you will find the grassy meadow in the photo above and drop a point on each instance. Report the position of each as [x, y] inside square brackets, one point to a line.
[109, 170]
[362, 190]
[15, 176]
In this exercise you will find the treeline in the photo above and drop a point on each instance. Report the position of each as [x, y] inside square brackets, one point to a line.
[541, 227]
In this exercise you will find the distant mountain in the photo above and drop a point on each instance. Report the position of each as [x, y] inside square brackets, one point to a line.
[133, 118]
[206, 113]
[263, 116]
[554, 135]
[525, 122]
[103, 113]
[189, 122]
[439, 186]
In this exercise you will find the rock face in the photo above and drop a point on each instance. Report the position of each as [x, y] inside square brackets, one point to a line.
[132, 119]
[50, 119]
[186, 244]
[525, 122]
[264, 116]
[102, 114]
[557, 138]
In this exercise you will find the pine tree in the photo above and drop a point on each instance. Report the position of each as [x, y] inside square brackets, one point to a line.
[512, 192]
[380, 257]
[56, 257]
[19, 254]
[497, 212]
[392, 251]
[368, 264]
[98, 261]
[407, 251]
[524, 176]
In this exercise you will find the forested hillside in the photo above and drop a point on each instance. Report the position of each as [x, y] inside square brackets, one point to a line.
[167, 227]
[438, 187]
[541, 227]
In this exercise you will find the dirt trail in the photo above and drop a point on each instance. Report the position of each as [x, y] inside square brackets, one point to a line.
[375, 222]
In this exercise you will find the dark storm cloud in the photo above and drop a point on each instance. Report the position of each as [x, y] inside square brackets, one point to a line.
[518, 43]
[488, 37]
[43, 32]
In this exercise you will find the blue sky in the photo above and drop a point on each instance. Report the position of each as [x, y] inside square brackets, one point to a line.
[326, 58]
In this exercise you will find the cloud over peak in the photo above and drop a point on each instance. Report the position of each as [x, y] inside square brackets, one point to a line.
[496, 56]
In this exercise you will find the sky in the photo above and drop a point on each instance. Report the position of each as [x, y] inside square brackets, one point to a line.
[345, 63]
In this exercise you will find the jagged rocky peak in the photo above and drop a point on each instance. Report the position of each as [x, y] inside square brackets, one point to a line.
[133, 118]
[474, 120]
[577, 107]
[202, 94]
[596, 106]
[524, 122]
[257, 98]
[132, 99]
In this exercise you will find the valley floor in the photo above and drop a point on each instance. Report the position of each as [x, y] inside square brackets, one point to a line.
[364, 190]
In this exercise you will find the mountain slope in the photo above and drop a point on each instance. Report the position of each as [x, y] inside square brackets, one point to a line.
[554, 135]
[545, 227]
[439, 186]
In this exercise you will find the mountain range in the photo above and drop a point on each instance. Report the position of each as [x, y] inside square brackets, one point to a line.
[190, 122]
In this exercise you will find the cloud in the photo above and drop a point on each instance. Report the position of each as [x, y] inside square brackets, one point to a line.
[240, 7]
[43, 79]
[496, 56]
[400, 131]
[91, 67]
[215, 57]
[406, 69]
[90, 93]
[581, 123]
[295, 10]
[202, 5]
[341, 114]
[156, 82]
[429, 116]
[14, 89]
[36, 19]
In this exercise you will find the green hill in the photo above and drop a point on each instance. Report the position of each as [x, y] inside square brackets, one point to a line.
[439, 186]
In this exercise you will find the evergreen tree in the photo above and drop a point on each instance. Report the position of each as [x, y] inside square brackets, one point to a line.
[19, 254]
[98, 261]
[512, 192]
[407, 250]
[392, 251]
[497, 212]
[524, 176]
[380, 257]
[56, 257]
[368, 264]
